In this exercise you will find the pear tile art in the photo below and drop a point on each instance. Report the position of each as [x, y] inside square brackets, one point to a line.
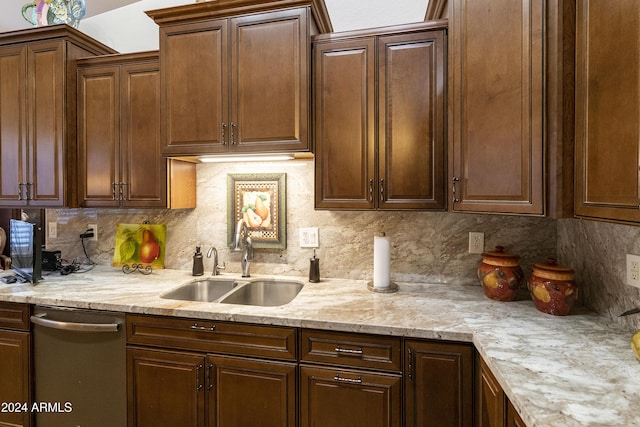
[140, 244]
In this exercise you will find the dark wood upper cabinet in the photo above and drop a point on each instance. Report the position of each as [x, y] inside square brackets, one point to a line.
[38, 114]
[236, 80]
[119, 161]
[496, 106]
[607, 110]
[344, 82]
[380, 118]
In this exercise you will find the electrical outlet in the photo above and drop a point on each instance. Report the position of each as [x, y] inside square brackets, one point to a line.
[476, 242]
[52, 230]
[95, 232]
[633, 270]
[309, 237]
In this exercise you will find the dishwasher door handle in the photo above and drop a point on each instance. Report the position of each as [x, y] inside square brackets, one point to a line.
[72, 326]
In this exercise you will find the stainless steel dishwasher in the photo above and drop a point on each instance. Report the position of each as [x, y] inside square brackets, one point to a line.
[79, 368]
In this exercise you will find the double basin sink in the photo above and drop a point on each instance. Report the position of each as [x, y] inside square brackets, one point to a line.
[262, 292]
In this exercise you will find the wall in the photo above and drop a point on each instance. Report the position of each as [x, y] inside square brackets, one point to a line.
[426, 246]
[597, 251]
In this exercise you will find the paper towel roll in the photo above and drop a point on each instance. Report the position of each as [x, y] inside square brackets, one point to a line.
[381, 261]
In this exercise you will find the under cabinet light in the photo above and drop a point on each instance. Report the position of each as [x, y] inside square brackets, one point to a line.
[252, 158]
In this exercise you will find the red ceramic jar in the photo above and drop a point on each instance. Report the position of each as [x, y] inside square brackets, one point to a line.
[500, 275]
[552, 287]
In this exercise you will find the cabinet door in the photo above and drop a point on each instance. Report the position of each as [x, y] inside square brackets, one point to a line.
[13, 130]
[607, 110]
[144, 170]
[344, 90]
[15, 351]
[438, 384]
[165, 388]
[247, 392]
[194, 99]
[349, 398]
[98, 136]
[46, 82]
[270, 70]
[491, 402]
[513, 418]
[411, 116]
[496, 106]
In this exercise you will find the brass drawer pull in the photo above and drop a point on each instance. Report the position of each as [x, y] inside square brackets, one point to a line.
[347, 380]
[346, 351]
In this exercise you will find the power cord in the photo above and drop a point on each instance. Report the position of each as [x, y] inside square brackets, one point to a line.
[75, 266]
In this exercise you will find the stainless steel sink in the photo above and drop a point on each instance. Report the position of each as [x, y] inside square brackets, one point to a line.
[267, 293]
[206, 290]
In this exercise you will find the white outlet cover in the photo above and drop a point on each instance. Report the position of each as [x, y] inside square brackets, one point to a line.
[309, 237]
[633, 270]
[95, 232]
[476, 242]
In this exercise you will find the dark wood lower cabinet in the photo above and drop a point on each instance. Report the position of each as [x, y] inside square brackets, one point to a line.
[493, 408]
[248, 392]
[491, 402]
[165, 388]
[15, 350]
[438, 384]
[349, 398]
[513, 418]
[190, 372]
[183, 389]
[15, 365]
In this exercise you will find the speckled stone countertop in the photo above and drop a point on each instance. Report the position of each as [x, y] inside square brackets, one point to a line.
[577, 370]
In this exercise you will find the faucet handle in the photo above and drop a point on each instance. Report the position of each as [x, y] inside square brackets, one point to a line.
[217, 268]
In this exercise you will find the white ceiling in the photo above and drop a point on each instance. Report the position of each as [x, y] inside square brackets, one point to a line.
[123, 25]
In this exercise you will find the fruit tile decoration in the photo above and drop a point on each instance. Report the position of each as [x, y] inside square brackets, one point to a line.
[258, 199]
[140, 244]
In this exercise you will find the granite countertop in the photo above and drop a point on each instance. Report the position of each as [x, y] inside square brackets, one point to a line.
[576, 370]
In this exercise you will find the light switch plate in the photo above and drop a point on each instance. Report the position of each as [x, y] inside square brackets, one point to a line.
[309, 237]
[52, 230]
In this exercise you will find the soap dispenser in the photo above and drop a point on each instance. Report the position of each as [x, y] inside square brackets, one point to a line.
[314, 268]
[198, 267]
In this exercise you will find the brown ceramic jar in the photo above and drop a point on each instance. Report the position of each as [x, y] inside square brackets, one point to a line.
[552, 287]
[500, 275]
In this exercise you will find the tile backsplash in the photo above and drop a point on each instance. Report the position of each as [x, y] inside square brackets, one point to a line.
[426, 246]
[597, 252]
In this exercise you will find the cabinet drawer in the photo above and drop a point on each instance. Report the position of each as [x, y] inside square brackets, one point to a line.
[344, 397]
[213, 336]
[352, 350]
[14, 315]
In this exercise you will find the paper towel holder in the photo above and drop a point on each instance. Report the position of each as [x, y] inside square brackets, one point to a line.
[393, 287]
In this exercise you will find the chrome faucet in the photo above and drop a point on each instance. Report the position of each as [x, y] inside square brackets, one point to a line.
[242, 242]
[216, 266]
